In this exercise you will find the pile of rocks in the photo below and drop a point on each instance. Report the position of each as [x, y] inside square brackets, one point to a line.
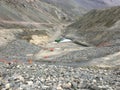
[50, 77]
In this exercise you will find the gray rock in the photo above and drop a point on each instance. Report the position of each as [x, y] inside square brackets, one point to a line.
[74, 85]
[19, 77]
[59, 88]
[29, 82]
[66, 85]
[7, 86]
[44, 87]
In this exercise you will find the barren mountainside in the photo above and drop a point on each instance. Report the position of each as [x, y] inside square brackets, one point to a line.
[29, 13]
[59, 45]
[37, 13]
[97, 26]
[76, 8]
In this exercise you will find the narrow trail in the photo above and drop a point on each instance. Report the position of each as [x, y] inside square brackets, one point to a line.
[24, 23]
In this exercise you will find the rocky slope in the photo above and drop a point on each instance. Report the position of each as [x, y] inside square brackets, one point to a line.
[71, 7]
[97, 27]
[29, 14]
[45, 13]
[76, 8]
[99, 31]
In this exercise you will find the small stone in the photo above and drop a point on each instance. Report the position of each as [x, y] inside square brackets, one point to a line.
[20, 88]
[76, 77]
[18, 66]
[67, 86]
[10, 89]
[59, 88]
[45, 87]
[106, 73]
[94, 81]
[29, 82]
[42, 79]
[3, 89]
[1, 78]
[105, 87]
[74, 85]
[7, 86]
[20, 78]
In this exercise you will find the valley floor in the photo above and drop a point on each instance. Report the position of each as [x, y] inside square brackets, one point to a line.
[48, 65]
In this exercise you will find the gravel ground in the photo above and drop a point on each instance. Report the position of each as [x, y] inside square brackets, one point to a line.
[50, 77]
[86, 55]
[19, 50]
[89, 53]
[22, 50]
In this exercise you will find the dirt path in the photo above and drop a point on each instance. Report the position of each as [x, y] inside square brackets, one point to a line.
[24, 23]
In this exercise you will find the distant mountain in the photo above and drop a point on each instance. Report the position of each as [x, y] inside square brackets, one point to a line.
[76, 8]
[37, 13]
[98, 3]
[71, 7]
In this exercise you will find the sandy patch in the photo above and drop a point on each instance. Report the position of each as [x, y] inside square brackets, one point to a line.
[39, 40]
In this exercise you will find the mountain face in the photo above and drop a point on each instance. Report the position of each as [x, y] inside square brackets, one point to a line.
[97, 27]
[37, 13]
[76, 8]
[29, 13]
[71, 7]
